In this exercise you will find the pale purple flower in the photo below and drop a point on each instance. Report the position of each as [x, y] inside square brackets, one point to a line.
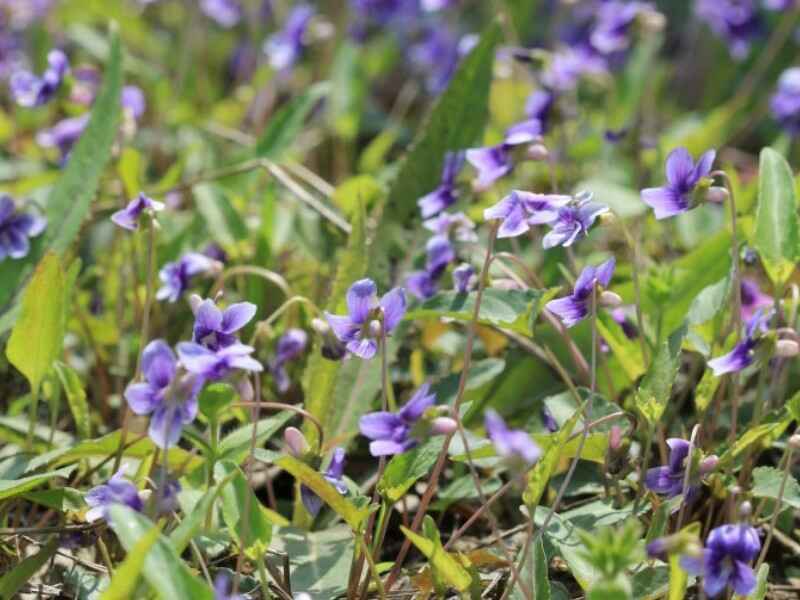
[435, 5]
[668, 480]
[512, 444]
[437, 55]
[494, 162]
[169, 397]
[213, 365]
[539, 105]
[30, 90]
[133, 101]
[519, 210]
[576, 307]
[614, 19]
[117, 490]
[128, 217]
[63, 135]
[284, 48]
[725, 560]
[753, 298]
[395, 433]
[620, 316]
[683, 175]
[735, 21]
[175, 276]
[16, 229]
[785, 102]
[227, 13]
[456, 226]
[573, 221]
[221, 586]
[360, 329]
[549, 420]
[778, 4]
[422, 284]
[440, 253]
[463, 276]
[333, 474]
[743, 353]
[569, 64]
[215, 328]
[445, 195]
[290, 345]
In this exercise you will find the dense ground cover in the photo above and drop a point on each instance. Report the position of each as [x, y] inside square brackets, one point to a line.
[399, 299]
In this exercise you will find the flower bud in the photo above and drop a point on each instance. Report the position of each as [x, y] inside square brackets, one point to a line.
[245, 389]
[194, 302]
[653, 21]
[615, 437]
[794, 441]
[295, 441]
[709, 464]
[745, 509]
[786, 348]
[443, 426]
[320, 326]
[788, 333]
[538, 152]
[607, 218]
[375, 328]
[716, 194]
[609, 299]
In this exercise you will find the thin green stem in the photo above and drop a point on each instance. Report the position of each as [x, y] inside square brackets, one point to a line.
[787, 469]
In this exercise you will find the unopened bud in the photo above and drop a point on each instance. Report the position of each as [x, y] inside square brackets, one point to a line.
[320, 326]
[245, 389]
[194, 302]
[609, 299]
[375, 328]
[615, 437]
[788, 333]
[786, 348]
[607, 218]
[794, 441]
[716, 194]
[538, 152]
[295, 441]
[443, 426]
[653, 21]
[745, 509]
[709, 464]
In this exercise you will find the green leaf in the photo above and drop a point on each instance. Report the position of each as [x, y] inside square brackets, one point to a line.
[123, 583]
[163, 569]
[36, 339]
[754, 439]
[404, 469]
[678, 578]
[443, 563]
[709, 302]
[68, 202]
[214, 398]
[654, 392]
[14, 487]
[194, 519]
[627, 352]
[512, 309]
[767, 484]
[541, 473]
[351, 514]
[534, 568]
[236, 445]
[76, 398]
[523, 16]
[286, 124]
[348, 90]
[776, 237]
[224, 223]
[13, 580]
[704, 392]
[252, 529]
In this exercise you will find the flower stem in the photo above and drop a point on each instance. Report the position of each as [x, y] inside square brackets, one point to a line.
[787, 469]
[686, 477]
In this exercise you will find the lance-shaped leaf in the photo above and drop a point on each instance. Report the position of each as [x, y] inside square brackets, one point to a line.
[123, 583]
[404, 469]
[13, 580]
[656, 387]
[242, 511]
[444, 564]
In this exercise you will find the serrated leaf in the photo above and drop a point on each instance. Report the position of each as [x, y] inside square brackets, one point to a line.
[777, 235]
[12, 581]
[767, 484]
[654, 392]
[286, 123]
[512, 309]
[406, 468]
[164, 570]
[123, 582]
[251, 529]
[76, 399]
[36, 339]
[443, 563]
[351, 514]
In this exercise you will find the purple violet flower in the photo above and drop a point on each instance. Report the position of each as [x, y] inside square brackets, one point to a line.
[568, 64]
[785, 102]
[128, 217]
[573, 221]
[725, 559]
[213, 365]
[668, 480]
[290, 345]
[613, 24]
[221, 586]
[539, 105]
[753, 299]
[445, 195]
[457, 226]
[360, 329]
[512, 444]
[170, 398]
[549, 420]
[215, 328]
[395, 433]
[29, 90]
[117, 490]
[226, 13]
[735, 21]
[16, 228]
[440, 253]
[494, 162]
[620, 316]
[463, 276]
[333, 475]
[683, 175]
[778, 4]
[743, 353]
[422, 284]
[519, 210]
[285, 47]
[575, 308]
[175, 276]
[437, 55]
[167, 500]
[133, 101]
[63, 135]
